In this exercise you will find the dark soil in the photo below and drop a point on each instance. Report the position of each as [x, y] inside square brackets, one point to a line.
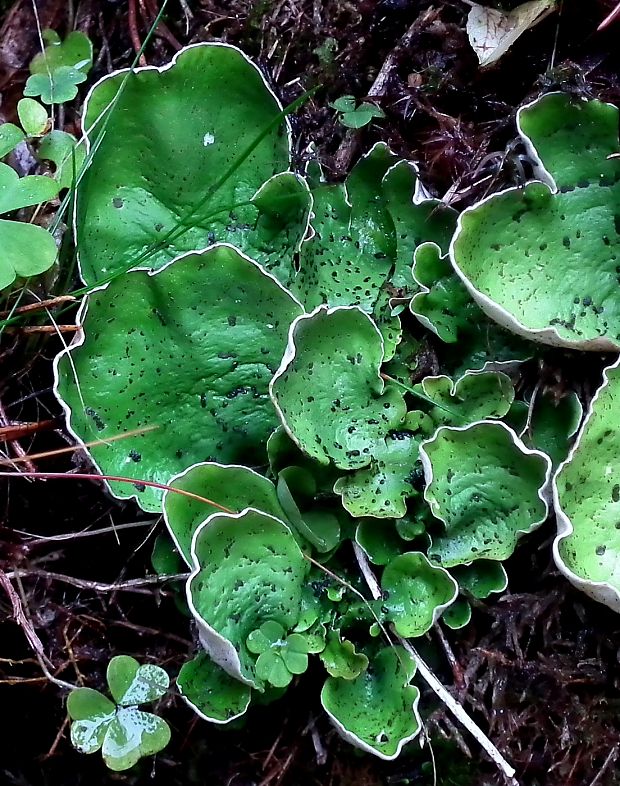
[540, 668]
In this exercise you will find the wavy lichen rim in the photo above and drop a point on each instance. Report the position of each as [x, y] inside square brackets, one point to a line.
[219, 648]
[542, 335]
[544, 491]
[180, 476]
[601, 591]
[80, 337]
[358, 742]
[211, 718]
[439, 609]
[127, 72]
[291, 352]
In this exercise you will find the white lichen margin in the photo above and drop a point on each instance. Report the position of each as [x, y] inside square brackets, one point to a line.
[601, 591]
[218, 647]
[80, 337]
[126, 72]
[543, 335]
[431, 680]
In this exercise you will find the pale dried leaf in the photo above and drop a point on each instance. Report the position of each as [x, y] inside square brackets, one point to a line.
[492, 32]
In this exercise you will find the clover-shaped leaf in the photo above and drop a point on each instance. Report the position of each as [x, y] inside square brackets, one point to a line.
[160, 172]
[280, 656]
[27, 249]
[189, 350]
[122, 731]
[486, 487]
[66, 153]
[10, 136]
[248, 569]
[586, 498]
[130, 683]
[76, 51]
[57, 87]
[354, 115]
[17, 192]
[542, 260]
[328, 391]
[211, 692]
[415, 593]
[385, 687]
[341, 659]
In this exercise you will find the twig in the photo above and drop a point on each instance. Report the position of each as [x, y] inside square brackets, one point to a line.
[615, 14]
[131, 585]
[85, 533]
[133, 31]
[13, 431]
[457, 671]
[23, 620]
[30, 330]
[20, 453]
[51, 303]
[442, 692]
[84, 446]
[611, 757]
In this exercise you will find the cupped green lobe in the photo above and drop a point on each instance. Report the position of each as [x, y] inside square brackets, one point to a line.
[587, 500]
[328, 391]
[543, 260]
[248, 570]
[164, 150]
[228, 486]
[384, 687]
[211, 692]
[189, 351]
[415, 592]
[486, 488]
[131, 683]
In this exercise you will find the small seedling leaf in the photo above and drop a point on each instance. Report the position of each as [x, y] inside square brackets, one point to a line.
[32, 116]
